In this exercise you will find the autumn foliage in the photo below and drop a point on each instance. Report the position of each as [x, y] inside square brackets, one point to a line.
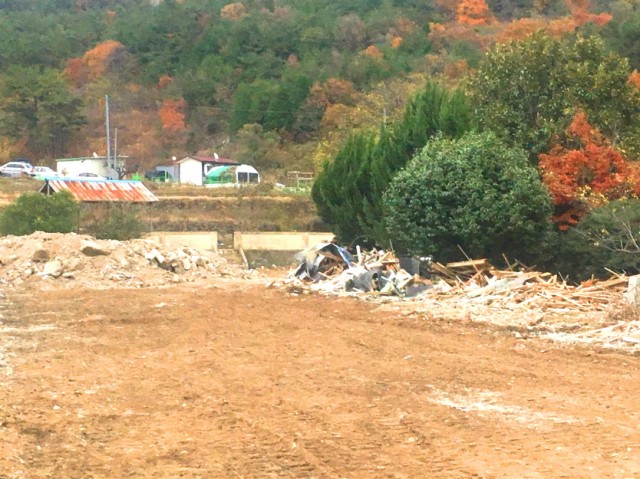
[372, 51]
[579, 15]
[164, 81]
[591, 170]
[473, 12]
[634, 79]
[172, 115]
[233, 11]
[97, 59]
[95, 62]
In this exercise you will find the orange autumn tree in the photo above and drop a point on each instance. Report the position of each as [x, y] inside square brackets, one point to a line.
[634, 79]
[591, 171]
[95, 63]
[99, 59]
[473, 12]
[580, 15]
[172, 115]
[372, 51]
[173, 122]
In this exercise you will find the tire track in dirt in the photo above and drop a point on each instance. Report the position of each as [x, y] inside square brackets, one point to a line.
[241, 381]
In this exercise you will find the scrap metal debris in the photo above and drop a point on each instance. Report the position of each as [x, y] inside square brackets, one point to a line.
[330, 268]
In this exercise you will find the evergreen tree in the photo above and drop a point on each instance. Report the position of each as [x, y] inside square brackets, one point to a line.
[371, 162]
[38, 106]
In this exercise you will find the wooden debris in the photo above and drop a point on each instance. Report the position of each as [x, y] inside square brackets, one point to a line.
[519, 296]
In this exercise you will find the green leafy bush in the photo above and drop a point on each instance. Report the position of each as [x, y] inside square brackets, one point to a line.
[528, 91]
[58, 213]
[474, 194]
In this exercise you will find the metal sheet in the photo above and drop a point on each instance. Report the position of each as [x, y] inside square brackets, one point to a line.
[101, 190]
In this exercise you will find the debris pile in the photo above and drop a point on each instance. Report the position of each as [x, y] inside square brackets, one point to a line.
[329, 268]
[529, 303]
[71, 259]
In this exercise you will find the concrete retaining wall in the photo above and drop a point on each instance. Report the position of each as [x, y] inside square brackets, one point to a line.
[204, 241]
[267, 248]
[278, 241]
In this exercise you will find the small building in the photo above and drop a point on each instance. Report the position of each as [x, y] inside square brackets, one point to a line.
[98, 165]
[232, 175]
[88, 190]
[193, 169]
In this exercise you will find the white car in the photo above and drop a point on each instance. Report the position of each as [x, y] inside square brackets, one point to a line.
[16, 169]
[90, 176]
[43, 172]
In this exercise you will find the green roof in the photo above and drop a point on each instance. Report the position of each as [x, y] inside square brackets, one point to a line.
[221, 174]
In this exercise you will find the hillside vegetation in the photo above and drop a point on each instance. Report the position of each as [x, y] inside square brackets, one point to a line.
[278, 84]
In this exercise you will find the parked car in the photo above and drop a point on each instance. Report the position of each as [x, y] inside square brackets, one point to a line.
[16, 169]
[43, 171]
[22, 160]
[158, 175]
[89, 175]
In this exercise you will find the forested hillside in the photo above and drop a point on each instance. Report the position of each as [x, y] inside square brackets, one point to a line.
[276, 83]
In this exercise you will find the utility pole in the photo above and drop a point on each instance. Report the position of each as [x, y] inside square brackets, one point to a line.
[115, 150]
[106, 104]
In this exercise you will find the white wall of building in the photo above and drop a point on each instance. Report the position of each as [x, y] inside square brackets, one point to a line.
[190, 172]
[71, 168]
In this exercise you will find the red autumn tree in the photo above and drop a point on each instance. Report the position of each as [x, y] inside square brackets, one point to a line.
[592, 168]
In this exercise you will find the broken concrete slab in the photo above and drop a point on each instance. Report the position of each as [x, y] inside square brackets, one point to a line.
[53, 268]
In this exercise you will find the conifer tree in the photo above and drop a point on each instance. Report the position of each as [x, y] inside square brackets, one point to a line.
[363, 169]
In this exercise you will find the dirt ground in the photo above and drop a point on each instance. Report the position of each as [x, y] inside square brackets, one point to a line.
[237, 380]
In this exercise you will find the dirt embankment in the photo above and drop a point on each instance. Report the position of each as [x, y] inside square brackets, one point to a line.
[227, 214]
[185, 208]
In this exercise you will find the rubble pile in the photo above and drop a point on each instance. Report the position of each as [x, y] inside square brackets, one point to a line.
[528, 302]
[331, 269]
[71, 259]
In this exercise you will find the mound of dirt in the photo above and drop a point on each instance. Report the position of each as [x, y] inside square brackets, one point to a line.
[70, 260]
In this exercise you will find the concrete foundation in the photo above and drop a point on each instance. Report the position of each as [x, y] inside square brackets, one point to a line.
[253, 241]
[260, 249]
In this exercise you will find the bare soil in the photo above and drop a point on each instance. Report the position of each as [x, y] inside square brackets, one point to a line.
[234, 379]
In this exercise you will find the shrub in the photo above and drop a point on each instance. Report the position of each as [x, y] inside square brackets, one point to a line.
[607, 239]
[120, 221]
[474, 194]
[58, 213]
